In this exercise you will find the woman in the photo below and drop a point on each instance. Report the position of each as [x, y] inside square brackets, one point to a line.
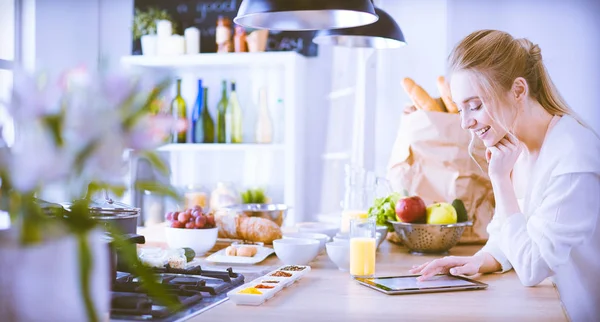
[544, 165]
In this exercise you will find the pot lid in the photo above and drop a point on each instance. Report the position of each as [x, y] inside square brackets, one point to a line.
[107, 206]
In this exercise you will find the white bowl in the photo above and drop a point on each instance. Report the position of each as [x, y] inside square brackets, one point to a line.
[322, 238]
[200, 240]
[328, 229]
[296, 251]
[339, 253]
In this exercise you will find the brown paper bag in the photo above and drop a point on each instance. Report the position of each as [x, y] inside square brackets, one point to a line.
[430, 159]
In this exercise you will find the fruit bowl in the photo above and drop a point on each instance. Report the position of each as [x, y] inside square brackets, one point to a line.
[429, 238]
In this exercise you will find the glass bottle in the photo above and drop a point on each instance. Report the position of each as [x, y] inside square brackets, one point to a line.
[223, 35]
[221, 110]
[239, 40]
[264, 125]
[207, 122]
[178, 110]
[234, 112]
[197, 131]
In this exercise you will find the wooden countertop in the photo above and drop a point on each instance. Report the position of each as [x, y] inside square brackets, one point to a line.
[327, 294]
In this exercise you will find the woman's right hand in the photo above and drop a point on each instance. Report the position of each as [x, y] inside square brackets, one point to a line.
[455, 265]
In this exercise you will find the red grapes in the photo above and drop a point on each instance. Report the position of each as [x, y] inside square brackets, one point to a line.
[193, 218]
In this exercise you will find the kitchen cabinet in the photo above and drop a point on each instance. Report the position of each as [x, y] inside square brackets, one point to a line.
[278, 166]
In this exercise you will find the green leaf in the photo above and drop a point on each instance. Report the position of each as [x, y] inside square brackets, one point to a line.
[85, 268]
[132, 119]
[55, 124]
[161, 189]
[84, 154]
[156, 161]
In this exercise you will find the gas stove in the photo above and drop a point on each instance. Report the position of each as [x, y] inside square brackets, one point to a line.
[197, 290]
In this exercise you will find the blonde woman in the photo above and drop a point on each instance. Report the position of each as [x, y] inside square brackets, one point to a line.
[544, 165]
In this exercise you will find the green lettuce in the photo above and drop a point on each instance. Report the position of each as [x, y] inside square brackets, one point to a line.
[384, 209]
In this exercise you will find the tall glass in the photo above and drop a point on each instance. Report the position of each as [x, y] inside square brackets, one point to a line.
[355, 204]
[362, 247]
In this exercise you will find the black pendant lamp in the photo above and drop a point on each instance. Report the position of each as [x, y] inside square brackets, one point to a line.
[305, 14]
[383, 34]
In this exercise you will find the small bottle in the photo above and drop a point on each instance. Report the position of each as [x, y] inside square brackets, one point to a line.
[264, 125]
[178, 110]
[223, 35]
[239, 40]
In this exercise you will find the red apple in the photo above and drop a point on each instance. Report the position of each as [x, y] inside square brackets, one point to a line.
[411, 210]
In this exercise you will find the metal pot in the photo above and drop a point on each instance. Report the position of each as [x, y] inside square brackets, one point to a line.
[116, 214]
[114, 251]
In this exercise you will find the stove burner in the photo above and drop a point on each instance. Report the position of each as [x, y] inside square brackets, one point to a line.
[190, 288]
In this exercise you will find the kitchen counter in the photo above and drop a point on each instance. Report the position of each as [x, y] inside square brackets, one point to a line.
[327, 294]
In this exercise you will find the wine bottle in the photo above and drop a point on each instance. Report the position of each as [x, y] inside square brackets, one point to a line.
[207, 122]
[264, 126]
[221, 110]
[235, 112]
[178, 110]
[197, 131]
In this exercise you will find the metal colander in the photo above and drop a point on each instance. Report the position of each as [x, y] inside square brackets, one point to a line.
[429, 239]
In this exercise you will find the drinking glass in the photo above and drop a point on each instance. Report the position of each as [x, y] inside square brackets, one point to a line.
[363, 247]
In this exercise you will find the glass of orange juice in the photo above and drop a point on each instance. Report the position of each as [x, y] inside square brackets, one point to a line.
[362, 247]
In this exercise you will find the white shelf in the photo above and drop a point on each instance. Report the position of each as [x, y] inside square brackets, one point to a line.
[213, 59]
[242, 147]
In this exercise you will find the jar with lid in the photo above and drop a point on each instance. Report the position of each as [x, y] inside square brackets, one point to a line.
[239, 40]
[223, 195]
[223, 35]
[195, 195]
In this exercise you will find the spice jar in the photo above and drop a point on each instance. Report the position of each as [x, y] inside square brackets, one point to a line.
[223, 35]
[239, 40]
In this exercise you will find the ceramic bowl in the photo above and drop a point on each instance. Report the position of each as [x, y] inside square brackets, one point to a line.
[328, 229]
[339, 253]
[296, 251]
[200, 240]
[322, 238]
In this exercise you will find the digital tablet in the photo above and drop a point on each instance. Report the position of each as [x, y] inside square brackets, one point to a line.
[408, 284]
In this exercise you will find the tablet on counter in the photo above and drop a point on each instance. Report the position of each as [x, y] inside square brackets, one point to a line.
[408, 284]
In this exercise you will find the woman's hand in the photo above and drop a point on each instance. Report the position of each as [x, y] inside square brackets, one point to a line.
[503, 156]
[455, 265]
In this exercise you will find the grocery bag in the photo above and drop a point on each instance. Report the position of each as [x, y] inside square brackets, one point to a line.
[431, 159]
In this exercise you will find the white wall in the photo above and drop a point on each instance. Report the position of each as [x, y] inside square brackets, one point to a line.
[568, 32]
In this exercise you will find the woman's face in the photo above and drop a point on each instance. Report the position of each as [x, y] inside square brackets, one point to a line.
[474, 116]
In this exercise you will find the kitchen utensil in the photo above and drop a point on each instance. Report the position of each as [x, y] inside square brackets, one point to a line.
[339, 253]
[114, 251]
[296, 251]
[274, 212]
[429, 239]
[200, 240]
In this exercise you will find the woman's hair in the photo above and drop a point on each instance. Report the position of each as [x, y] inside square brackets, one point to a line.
[495, 59]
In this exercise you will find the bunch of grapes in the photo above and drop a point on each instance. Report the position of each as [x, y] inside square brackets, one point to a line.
[193, 218]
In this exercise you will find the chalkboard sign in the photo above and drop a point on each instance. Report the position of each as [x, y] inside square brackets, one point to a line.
[203, 14]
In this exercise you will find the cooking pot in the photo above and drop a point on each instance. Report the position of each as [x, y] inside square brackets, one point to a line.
[115, 263]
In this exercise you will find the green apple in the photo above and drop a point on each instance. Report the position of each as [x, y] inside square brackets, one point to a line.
[441, 213]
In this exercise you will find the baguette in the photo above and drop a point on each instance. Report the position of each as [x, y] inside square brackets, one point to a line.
[419, 96]
[254, 229]
[446, 96]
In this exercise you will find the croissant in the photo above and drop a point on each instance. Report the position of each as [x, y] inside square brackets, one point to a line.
[446, 96]
[254, 229]
[419, 96]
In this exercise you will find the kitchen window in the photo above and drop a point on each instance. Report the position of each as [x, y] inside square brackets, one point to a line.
[9, 37]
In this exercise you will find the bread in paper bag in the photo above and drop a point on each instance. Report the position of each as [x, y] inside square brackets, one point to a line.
[430, 158]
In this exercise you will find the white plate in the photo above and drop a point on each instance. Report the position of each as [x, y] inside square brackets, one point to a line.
[221, 258]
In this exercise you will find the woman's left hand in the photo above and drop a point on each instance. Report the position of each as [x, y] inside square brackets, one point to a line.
[503, 156]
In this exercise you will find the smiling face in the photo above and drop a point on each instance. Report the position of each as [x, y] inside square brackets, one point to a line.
[475, 116]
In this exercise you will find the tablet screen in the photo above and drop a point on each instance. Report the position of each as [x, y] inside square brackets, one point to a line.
[398, 283]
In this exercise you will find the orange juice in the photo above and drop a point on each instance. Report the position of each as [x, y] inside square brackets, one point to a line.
[348, 215]
[362, 256]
